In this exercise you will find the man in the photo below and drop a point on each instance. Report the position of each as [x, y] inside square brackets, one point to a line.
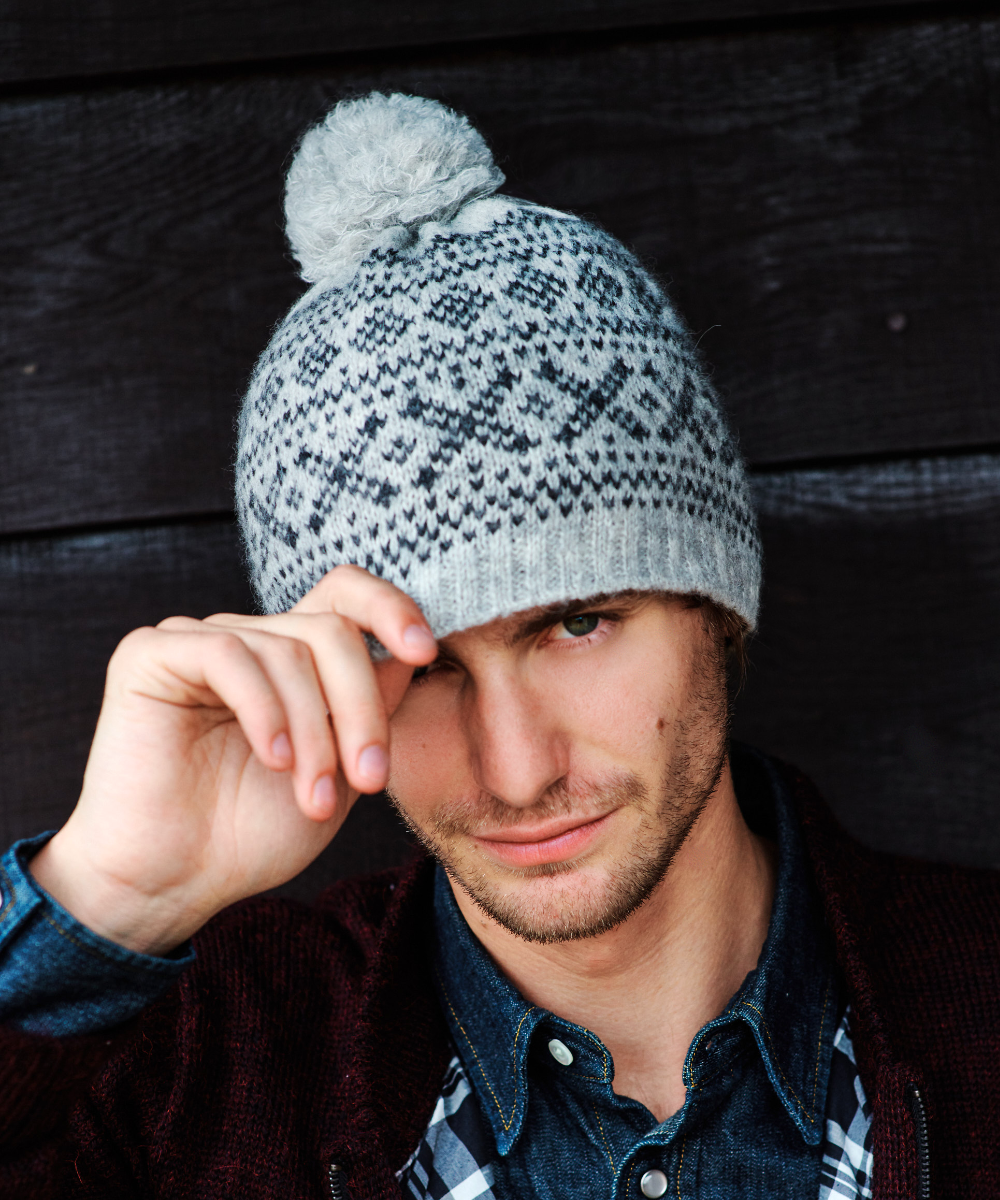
[505, 548]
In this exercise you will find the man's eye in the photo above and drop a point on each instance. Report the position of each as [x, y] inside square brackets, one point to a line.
[581, 625]
[434, 668]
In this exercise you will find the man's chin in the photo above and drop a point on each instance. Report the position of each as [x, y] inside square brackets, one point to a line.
[559, 902]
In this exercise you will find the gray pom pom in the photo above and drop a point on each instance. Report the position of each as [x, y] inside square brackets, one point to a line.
[375, 164]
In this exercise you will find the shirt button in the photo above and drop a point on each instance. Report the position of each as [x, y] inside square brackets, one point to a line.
[564, 1056]
[653, 1184]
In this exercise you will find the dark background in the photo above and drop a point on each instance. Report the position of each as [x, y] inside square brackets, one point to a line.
[820, 187]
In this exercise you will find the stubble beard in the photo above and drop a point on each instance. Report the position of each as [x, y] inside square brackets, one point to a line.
[583, 901]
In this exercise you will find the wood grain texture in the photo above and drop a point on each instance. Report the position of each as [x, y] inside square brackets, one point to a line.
[875, 669]
[65, 603]
[877, 662]
[802, 189]
[49, 39]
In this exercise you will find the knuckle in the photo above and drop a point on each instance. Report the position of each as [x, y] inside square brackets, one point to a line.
[348, 571]
[133, 643]
[174, 623]
[227, 646]
[339, 628]
[222, 618]
[335, 581]
[294, 651]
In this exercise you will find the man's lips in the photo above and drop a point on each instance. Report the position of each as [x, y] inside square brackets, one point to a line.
[549, 842]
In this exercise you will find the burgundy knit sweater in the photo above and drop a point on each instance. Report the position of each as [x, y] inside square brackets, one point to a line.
[305, 1036]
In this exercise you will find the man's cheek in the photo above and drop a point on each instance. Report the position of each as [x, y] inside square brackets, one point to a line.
[428, 768]
[623, 711]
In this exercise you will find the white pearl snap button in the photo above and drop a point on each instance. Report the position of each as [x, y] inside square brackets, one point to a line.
[653, 1184]
[564, 1055]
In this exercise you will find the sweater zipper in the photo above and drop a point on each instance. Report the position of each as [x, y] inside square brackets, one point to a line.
[919, 1114]
[338, 1189]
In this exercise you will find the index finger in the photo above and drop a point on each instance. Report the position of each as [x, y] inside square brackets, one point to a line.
[377, 607]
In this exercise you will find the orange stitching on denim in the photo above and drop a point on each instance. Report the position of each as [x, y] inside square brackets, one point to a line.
[680, 1165]
[819, 1042]
[517, 1032]
[693, 1051]
[597, 1078]
[607, 1148]
[503, 1120]
[94, 953]
[91, 950]
[791, 1090]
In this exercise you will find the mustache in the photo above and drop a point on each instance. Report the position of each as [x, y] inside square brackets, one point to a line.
[570, 795]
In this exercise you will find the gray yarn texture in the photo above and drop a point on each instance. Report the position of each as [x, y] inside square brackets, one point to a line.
[495, 411]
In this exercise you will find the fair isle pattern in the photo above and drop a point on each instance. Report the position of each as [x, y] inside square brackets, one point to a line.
[496, 412]
[453, 1160]
[847, 1150]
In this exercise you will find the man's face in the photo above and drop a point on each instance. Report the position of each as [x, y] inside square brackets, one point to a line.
[555, 761]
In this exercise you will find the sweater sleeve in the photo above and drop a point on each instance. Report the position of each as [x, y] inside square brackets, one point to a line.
[57, 977]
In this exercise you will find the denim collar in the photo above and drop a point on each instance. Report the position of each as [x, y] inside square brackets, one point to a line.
[788, 1004]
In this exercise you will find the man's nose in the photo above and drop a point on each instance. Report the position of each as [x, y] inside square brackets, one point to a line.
[518, 751]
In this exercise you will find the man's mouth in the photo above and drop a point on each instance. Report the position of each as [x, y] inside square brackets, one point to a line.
[549, 842]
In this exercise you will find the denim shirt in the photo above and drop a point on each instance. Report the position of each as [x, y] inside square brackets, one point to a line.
[752, 1122]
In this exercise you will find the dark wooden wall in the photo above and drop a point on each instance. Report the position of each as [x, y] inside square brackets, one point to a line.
[819, 186]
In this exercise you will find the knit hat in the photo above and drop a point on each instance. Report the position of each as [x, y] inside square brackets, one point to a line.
[487, 402]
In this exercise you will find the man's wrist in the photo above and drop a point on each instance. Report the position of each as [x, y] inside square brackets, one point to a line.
[154, 925]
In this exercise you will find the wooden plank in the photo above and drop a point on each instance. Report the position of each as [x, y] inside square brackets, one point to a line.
[65, 602]
[48, 39]
[822, 199]
[877, 663]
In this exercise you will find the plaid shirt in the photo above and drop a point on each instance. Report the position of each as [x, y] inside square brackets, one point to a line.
[454, 1160]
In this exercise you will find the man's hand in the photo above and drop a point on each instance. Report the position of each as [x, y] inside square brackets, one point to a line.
[227, 754]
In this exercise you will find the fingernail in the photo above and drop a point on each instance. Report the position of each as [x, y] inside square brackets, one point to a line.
[324, 795]
[419, 637]
[281, 747]
[373, 762]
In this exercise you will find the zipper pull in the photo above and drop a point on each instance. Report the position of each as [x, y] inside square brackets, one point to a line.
[919, 1114]
[338, 1189]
